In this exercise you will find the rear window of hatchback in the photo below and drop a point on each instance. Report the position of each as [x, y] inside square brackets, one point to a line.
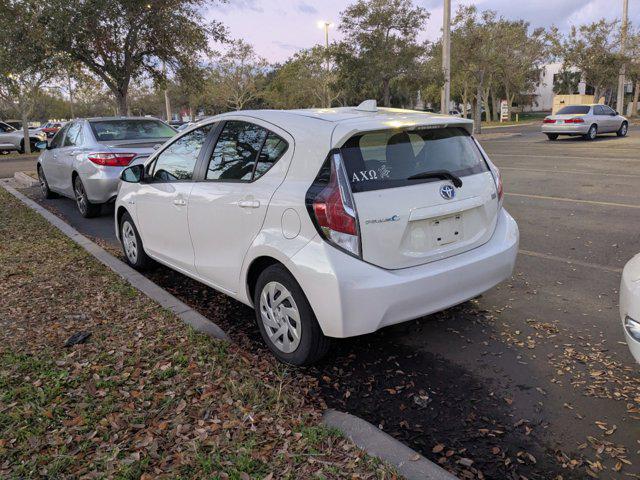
[387, 159]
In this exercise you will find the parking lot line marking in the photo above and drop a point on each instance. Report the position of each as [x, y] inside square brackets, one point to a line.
[562, 157]
[573, 200]
[568, 261]
[580, 172]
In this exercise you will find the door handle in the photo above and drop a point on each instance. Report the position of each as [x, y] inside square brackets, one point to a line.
[249, 204]
[75, 152]
[181, 202]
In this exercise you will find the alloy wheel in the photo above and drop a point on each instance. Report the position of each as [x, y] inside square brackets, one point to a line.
[593, 132]
[623, 130]
[44, 188]
[81, 199]
[280, 317]
[130, 242]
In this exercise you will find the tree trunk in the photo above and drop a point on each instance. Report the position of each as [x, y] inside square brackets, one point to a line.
[477, 112]
[71, 97]
[25, 133]
[464, 102]
[496, 107]
[386, 93]
[122, 102]
[634, 103]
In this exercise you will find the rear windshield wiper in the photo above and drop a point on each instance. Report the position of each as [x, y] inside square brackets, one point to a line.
[441, 174]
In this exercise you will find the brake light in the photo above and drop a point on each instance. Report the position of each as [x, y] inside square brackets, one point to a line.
[331, 206]
[111, 159]
[548, 120]
[574, 120]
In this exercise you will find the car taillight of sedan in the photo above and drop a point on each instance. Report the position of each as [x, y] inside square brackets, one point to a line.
[111, 159]
[548, 120]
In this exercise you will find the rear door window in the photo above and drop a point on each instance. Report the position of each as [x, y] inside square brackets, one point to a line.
[74, 135]
[387, 159]
[244, 152]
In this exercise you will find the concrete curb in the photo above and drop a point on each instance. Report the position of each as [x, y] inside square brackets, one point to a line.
[25, 180]
[375, 442]
[136, 279]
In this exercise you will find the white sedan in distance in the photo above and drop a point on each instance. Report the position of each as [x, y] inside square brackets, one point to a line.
[630, 305]
[587, 121]
[329, 222]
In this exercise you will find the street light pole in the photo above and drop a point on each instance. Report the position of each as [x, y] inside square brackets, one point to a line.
[623, 46]
[326, 25]
[445, 94]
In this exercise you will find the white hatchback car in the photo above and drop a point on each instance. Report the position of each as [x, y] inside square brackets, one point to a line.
[330, 222]
[630, 305]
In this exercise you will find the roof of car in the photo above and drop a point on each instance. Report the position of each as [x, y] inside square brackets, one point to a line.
[344, 122]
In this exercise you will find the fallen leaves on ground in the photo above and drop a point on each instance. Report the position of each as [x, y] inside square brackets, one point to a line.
[144, 397]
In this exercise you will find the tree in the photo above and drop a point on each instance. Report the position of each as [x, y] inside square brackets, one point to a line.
[237, 78]
[521, 58]
[26, 63]
[474, 43]
[380, 45]
[121, 40]
[303, 81]
[592, 50]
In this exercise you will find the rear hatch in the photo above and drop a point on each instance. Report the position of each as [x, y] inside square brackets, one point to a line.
[406, 222]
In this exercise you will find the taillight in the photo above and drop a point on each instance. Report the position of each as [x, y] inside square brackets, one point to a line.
[111, 159]
[331, 206]
[497, 178]
[574, 120]
[548, 120]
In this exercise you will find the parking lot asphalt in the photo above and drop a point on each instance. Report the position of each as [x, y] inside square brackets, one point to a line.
[533, 378]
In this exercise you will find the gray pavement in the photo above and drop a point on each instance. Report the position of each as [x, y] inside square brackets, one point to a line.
[549, 341]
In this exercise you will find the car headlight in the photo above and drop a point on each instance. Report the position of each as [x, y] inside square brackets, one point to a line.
[632, 327]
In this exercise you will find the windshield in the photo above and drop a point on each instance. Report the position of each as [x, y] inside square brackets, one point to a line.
[574, 110]
[387, 159]
[127, 129]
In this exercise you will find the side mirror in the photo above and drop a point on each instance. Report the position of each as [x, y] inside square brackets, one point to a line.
[42, 145]
[133, 174]
[614, 114]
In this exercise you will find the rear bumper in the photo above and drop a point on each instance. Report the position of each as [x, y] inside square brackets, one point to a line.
[101, 184]
[630, 302]
[570, 129]
[351, 297]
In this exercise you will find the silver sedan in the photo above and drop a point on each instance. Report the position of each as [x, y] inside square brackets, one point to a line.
[586, 120]
[85, 158]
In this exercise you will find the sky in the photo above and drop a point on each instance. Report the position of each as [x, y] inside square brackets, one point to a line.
[278, 28]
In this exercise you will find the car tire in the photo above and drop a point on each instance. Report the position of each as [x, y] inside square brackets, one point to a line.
[592, 133]
[287, 324]
[85, 207]
[132, 245]
[623, 130]
[552, 136]
[44, 185]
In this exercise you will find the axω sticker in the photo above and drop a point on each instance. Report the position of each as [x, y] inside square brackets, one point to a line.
[366, 175]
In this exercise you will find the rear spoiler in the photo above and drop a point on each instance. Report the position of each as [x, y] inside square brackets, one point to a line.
[432, 121]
